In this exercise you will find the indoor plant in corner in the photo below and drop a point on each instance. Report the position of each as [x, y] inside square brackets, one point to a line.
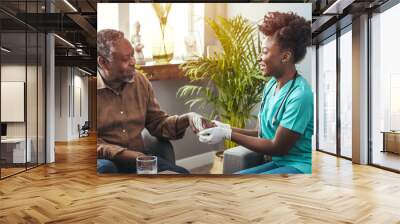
[234, 82]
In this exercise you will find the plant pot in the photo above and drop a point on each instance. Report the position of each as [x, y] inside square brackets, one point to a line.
[217, 163]
[219, 154]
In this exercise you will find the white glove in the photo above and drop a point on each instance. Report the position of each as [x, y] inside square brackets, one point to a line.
[222, 125]
[214, 135]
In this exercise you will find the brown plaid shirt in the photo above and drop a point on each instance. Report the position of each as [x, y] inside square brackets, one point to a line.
[121, 117]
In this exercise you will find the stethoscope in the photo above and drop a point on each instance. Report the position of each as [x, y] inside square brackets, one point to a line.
[275, 117]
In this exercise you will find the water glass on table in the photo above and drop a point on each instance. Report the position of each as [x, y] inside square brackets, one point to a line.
[146, 165]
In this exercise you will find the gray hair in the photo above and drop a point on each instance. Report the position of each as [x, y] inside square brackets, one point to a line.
[105, 39]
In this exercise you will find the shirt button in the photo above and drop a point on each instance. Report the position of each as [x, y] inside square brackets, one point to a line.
[123, 130]
[122, 112]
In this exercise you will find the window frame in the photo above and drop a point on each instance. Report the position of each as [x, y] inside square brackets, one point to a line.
[333, 37]
[379, 10]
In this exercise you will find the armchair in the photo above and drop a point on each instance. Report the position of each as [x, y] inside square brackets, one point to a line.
[240, 158]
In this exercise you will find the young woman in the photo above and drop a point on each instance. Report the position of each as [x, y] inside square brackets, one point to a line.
[286, 114]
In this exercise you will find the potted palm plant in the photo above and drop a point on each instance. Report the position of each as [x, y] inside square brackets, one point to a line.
[234, 82]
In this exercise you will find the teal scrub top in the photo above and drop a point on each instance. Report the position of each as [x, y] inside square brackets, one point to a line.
[296, 114]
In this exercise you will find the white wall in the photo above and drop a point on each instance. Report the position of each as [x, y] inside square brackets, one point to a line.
[69, 85]
[107, 14]
[255, 13]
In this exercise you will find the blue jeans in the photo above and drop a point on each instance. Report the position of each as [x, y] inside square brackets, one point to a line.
[270, 168]
[108, 166]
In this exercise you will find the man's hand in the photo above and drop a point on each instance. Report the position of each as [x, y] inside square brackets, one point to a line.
[128, 155]
[198, 123]
[215, 135]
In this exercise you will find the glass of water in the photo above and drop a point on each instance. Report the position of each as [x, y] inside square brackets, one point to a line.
[146, 165]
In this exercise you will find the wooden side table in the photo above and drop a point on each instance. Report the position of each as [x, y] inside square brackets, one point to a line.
[391, 141]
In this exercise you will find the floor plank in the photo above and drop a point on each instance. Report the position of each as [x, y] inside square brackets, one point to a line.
[70, 191]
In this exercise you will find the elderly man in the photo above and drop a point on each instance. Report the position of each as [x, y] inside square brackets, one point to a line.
[126, 104]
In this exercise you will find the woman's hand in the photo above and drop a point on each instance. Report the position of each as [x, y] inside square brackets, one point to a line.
[220, 124]
[215, 135]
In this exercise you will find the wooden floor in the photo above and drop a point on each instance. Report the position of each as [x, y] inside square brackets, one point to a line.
[70, 191]
[10, 171]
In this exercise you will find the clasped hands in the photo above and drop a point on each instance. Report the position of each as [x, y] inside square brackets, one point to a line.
[211, 132]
